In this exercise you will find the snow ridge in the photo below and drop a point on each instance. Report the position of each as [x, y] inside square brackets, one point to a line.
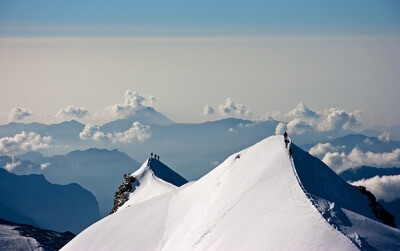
[255, 200]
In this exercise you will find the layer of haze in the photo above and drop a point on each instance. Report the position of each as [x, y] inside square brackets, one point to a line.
[266, 55]
[266, 74]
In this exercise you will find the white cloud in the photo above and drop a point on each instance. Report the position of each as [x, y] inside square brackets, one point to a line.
[303, 119]
[133, 102]
[248, 125]
[137, 131]
[72, 111]
[232, 108]
[44, 165]
[214, 163]
[232, 130]
[337, 161]
[297, 126]
[335, 118]
[18, 113]
[385, 136]
[385, 187]
[320, 149]
[91, 132]
[302, 111]
[208, 110]
[24, 142]
[280, 128]
[375, 159]
[356, 158]
[275, 115]
[368, 141]
[10, 166]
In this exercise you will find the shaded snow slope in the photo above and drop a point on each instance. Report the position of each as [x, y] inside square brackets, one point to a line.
[11, 239]
[342, 204]
[152, 179]
[252, 201]
[14, 236]
[165, 173]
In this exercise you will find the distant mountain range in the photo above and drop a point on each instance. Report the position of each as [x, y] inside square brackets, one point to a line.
[31, 199]
[199, 146]
[379, 129]
[98, 170]
[363, 142]
[367, 172]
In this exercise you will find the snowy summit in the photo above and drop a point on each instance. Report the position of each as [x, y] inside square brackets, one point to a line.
[151, 179]
[260, 198]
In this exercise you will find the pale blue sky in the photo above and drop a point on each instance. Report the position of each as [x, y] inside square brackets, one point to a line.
[325, 54]
[363, 16]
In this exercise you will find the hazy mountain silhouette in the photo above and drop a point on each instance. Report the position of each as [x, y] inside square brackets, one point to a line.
[58, 207]
[367, 172]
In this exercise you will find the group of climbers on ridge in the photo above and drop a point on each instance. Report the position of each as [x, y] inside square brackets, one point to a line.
[157, 157]
[287, 141]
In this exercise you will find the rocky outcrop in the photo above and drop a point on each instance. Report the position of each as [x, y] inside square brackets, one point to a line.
[380, 212]
[160, 178]
[122, 195]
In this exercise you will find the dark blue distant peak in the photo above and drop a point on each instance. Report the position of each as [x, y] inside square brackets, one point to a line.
[165, 173]
[70, 122]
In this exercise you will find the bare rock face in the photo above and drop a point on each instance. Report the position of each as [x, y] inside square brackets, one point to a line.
[121, 196]
[380, 212]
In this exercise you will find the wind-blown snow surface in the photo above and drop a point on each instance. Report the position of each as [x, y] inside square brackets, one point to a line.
[11, 239]
[252, 201]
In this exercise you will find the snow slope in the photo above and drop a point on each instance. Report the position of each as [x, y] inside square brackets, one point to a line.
[14, 236]
[153, 178]
[11, 239]
[254, 200]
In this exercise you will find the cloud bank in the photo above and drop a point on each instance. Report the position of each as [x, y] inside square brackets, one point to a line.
[72, 111]
[356, 158]
[385, 187]
[44, 165]
[18, 113]
[320, 149]
[385, 136]
[10, 166]
[303, 120]
[24, 141]
[133, 102]
[302, 111]
[137, 131]
[208, 110]
[91, 132]
[232, 108]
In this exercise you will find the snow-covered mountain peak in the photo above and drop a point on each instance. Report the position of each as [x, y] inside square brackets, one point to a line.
[257, 199]
[153, 178]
